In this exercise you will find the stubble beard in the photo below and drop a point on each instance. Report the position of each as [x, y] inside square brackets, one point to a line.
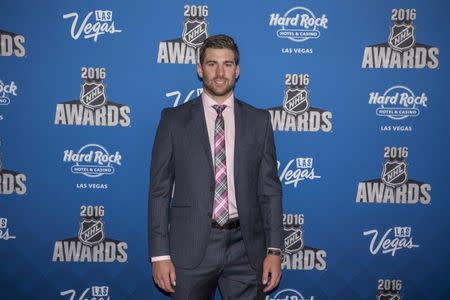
[208, 85]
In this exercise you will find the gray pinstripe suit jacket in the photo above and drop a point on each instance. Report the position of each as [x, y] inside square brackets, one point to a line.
[181, 153]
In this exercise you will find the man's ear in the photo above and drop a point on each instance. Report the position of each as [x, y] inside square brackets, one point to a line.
[199, 70]
[238, 71]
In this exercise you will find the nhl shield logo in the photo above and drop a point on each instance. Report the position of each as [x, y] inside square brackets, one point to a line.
[389, 296]
[296, 101]
[91, 232]
[394, 173]
[93, 94]
[195, 32]
[402, 37]
[293, 239]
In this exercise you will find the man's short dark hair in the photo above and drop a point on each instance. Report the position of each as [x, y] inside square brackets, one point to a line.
[220, 41]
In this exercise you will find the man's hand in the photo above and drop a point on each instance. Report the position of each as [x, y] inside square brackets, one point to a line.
[272, 265]
[164, 275]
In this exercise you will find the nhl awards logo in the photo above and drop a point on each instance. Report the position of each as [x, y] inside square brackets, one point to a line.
[91, 244]
[398, 103]
[93, 108]
[11, 182]
[389, 289]
[195, 32]
[297, 256]
[5, 90]
[401, 51]
[297, 114]
[402, 36]
[91, 232]
[92, 160]
[11, 44]
[93, 94]
[394, 173]
[394, 186]
[185, 50]
[296, 100]
[388, 296]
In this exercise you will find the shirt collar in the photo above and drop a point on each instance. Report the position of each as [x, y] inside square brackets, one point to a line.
[209, 102]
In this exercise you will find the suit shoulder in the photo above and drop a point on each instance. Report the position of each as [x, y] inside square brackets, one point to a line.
[178, 110]
[254, 111]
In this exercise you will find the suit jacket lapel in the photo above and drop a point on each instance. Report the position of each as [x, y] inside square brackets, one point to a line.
[239, 130]
[198, 117]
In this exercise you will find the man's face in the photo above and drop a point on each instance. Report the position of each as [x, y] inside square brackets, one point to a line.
[219, 73]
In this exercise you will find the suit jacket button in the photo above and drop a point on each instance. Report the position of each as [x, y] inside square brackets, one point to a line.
[209, 215]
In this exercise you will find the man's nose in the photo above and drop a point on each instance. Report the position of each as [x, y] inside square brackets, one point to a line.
[220, 70]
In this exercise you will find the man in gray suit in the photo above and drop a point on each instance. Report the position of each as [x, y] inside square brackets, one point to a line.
[223, 225]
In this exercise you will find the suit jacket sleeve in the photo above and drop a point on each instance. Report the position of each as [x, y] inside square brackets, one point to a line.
[162, 175]
[269, 190]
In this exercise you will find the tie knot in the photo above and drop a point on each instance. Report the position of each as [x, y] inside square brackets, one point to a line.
[219, 108]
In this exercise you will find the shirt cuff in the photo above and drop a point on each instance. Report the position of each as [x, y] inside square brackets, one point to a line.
[159, 258]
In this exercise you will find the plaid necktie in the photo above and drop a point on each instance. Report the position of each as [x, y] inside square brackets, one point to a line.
[220, 210]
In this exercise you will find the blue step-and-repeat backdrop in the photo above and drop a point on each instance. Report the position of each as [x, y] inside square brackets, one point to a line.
[358, 96]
